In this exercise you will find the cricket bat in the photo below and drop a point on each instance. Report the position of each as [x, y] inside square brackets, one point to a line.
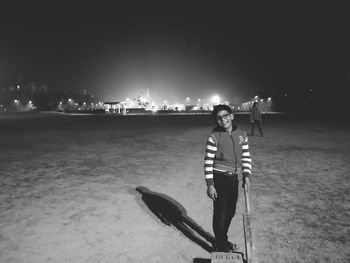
[249, 248]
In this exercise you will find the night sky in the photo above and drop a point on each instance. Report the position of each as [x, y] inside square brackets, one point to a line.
[195, 49]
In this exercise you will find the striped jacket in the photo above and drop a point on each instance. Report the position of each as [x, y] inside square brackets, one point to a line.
[227, 152]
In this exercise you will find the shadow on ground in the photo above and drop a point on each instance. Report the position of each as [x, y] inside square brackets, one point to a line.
[171, 212]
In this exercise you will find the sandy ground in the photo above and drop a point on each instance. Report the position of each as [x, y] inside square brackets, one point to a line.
[68, 190]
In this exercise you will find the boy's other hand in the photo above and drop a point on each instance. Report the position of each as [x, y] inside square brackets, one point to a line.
[211, 191]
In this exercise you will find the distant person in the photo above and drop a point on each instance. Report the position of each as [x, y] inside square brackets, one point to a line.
[227, 154]
[255, 118]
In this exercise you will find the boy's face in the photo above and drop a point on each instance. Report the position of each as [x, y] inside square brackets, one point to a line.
[224, 119]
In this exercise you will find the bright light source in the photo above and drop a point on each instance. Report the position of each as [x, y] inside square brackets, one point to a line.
[216, 99]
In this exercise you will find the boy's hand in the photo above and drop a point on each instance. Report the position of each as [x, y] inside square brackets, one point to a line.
[211, 192]
[245, 179]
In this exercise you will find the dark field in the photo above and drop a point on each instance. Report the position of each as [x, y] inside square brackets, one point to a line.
[68, 182]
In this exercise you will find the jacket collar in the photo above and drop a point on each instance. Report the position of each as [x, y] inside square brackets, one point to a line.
[221, 129]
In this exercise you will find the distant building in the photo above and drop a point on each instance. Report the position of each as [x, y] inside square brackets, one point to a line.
[115, 107]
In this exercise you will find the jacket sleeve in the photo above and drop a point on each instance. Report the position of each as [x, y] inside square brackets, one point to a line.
[211, 149]
[246, 159]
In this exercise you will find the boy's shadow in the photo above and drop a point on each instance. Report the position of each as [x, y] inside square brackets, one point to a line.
[171, 212]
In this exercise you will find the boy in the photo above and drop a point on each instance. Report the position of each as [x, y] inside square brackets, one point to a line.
[227, 153]
[255, 118]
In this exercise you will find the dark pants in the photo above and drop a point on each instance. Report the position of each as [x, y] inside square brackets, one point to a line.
[224, 207]
[257, 123]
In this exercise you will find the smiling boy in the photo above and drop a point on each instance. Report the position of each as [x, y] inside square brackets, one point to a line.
[227, 155]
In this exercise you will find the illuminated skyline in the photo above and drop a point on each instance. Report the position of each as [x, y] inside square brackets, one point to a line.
[175, 49]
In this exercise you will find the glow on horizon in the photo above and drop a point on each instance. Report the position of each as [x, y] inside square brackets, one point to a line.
[172, 98]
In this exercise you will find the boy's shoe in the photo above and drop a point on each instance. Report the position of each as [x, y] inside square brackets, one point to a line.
[230, 248]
